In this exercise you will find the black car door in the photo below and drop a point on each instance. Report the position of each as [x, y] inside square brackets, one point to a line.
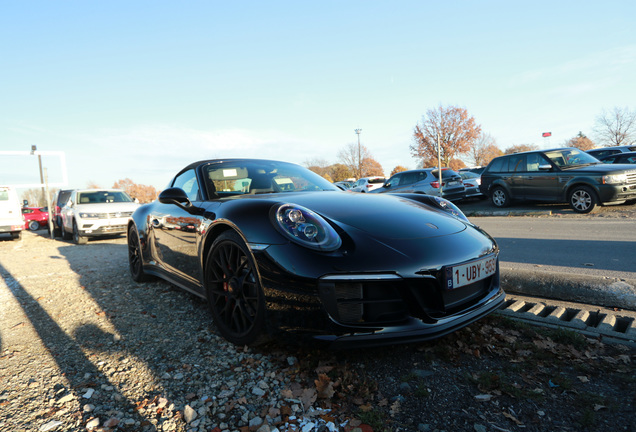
[515, 178]
[176, 233]
[541, 179]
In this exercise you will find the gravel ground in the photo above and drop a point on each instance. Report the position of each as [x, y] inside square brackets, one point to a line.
[83, 347]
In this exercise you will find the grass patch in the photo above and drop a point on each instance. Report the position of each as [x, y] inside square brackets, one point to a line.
[422, 391]
[374, 418]
[566, 337]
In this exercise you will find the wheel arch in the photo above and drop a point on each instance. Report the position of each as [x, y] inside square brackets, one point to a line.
[580, 182]
[502, 184]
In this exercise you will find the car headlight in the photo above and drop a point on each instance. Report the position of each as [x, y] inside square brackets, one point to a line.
[615, 179]
[92, 215]
[449, 207]
[306, 228]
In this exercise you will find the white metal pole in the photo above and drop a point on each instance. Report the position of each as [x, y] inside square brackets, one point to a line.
[439, 165]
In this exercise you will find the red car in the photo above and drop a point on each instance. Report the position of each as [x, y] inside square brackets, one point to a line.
[35, 218]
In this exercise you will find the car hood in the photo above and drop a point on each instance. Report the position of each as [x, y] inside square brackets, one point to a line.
[384, 216]
[107, 207]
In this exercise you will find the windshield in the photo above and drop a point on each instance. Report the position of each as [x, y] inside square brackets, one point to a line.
[258, 177]
[570, 157]
[100, 197]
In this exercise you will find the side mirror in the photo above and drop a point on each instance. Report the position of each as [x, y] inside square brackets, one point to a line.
[386, 185]
[174, 196]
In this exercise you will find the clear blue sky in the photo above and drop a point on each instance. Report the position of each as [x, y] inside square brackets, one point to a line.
[139, 89]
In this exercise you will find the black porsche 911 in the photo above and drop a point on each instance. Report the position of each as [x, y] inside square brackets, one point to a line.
[273, 246]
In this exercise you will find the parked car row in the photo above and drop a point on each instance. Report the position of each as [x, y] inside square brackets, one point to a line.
[557, 175]
[454, 186]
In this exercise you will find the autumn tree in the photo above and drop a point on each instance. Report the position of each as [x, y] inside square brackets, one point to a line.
[340, 172]
[34, 197]
[143, 193]
[456, 164]
[520, 148]
[616, 127]
[484, 150]
[398, 169]
[359, 160]
[320, 167]
[457, 132]
[580, 141]
[371, 167]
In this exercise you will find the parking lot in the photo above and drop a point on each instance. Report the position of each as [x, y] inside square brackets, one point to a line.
[84, 347]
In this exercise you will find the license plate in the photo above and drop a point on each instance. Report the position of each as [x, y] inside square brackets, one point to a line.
[465, 274]
[453, 183]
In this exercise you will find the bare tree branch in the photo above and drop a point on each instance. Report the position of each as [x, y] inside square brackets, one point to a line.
[616, 127]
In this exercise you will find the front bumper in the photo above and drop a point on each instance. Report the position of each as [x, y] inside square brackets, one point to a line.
[96, 227]
[617, 193]
[347, 310]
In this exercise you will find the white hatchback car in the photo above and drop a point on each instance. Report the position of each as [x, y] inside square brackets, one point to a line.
[367, 184]
[96, 212]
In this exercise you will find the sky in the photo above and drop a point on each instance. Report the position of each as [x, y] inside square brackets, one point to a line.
[109, 90]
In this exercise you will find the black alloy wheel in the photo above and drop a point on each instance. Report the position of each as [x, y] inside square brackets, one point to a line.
[77, 237]
[135, 257]
[234, 291]
[500, 197]
[583, 199]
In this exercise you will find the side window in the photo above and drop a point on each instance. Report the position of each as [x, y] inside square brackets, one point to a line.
[188, 182]
[609, 160]
[409, 178]
[517, 163]
[395, 180]
[631, 160]
[535, 160]
[498, 165]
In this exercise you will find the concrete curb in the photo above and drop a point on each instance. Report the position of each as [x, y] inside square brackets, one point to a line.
[510, 212]
[592, 321]
[608, 292]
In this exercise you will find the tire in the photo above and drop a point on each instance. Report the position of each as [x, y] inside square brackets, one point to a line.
[582, 199]
[499, 197]
[77, 237]
[135, 257]
[16, 235]
[234, 291]
[34, 225]
[66, 235]
[57, 228]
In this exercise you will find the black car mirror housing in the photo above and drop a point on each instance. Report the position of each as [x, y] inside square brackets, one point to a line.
[176, 196]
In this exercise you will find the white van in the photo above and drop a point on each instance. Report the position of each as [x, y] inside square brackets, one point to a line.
[11, 219]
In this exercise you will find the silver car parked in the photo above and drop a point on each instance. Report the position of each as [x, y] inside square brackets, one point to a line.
[427, 181]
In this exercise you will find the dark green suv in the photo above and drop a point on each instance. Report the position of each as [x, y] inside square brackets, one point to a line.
[558, 175]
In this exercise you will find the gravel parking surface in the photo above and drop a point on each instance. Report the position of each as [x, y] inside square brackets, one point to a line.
[83, 347]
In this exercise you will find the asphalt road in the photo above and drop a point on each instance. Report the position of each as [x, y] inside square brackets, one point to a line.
[595, 247]
[548, 250]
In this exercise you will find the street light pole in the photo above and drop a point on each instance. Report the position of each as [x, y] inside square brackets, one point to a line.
[34, 148]
[357, 131]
